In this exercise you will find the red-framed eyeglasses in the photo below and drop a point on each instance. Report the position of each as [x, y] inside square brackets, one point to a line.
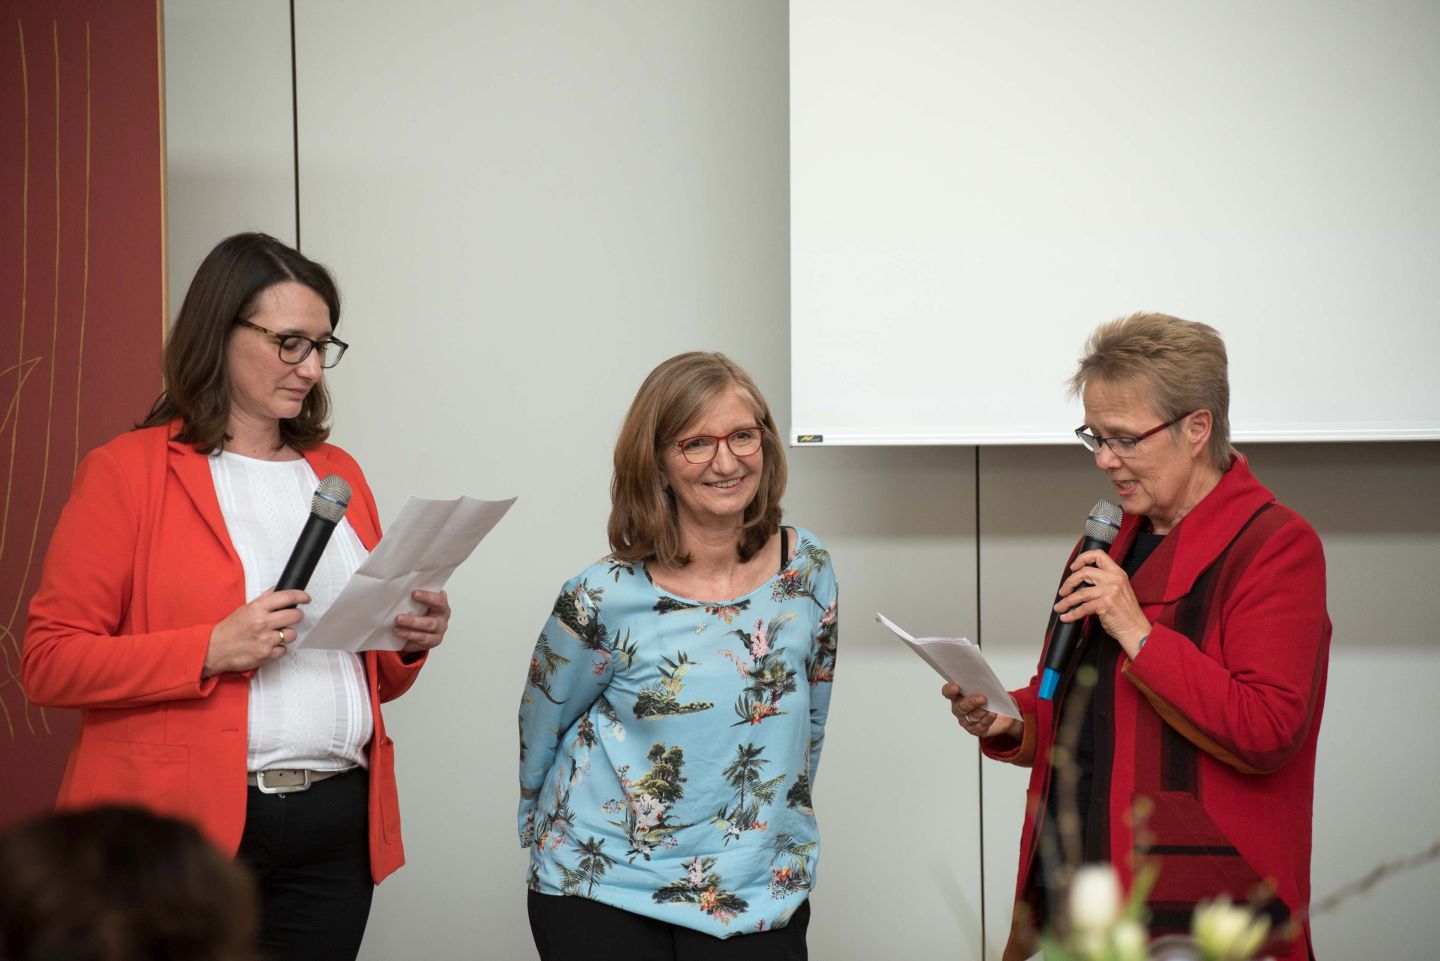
[702, 448]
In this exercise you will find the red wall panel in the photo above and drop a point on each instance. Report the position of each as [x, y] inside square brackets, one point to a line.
[82, 301]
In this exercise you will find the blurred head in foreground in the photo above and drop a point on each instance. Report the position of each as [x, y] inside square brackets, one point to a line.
[120, 884]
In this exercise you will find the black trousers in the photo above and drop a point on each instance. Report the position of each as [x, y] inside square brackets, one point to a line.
[578, 929]
[310, 854]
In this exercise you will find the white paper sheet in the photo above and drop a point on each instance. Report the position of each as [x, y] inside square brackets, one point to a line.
[420, 550]
[959, 661]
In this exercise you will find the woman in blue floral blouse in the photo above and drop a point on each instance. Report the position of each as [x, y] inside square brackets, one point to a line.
[672, 719]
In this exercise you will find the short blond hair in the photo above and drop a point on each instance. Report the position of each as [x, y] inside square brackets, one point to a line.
[1180, 365]
[643, 521]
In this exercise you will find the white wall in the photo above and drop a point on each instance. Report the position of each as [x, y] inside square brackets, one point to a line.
[229, 150]
[527, 207]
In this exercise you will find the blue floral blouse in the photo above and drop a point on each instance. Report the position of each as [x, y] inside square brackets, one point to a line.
[668, 746]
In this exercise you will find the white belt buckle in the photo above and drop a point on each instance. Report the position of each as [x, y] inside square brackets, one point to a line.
[284, 781]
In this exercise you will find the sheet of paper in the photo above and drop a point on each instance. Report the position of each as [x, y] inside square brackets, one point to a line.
[959, 661]
[420, 550]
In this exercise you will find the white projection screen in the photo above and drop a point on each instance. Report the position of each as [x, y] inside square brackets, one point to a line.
[975, 186]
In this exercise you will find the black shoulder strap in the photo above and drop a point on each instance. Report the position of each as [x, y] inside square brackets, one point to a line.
[784, 547]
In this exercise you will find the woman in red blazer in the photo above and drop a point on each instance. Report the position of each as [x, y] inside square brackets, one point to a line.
[154, 617]
[1193, 708]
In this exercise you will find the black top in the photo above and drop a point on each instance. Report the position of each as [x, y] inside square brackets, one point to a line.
[1093, 716]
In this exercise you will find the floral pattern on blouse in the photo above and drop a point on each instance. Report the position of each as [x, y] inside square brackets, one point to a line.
[668, 746]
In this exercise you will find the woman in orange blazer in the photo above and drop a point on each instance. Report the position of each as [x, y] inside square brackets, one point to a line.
[154, 616]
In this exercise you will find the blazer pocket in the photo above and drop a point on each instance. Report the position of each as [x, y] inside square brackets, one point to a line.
[155, 776]
[1196, 862]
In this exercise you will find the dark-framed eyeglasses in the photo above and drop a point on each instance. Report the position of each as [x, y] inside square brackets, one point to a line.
[1120, 446]
[702, 448]
[294, 348]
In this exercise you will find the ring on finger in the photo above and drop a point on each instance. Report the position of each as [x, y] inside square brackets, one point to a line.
[280, 632]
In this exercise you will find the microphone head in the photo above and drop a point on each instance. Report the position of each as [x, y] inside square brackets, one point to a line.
[1103, 524]
[331, 498]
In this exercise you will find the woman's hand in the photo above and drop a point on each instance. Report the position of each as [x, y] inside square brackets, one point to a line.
[424, 631]
[969, 710]
[1101, 587]
[255, 633]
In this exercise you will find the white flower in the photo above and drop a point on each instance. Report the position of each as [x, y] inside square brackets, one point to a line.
[1089, 945]
[648, 812]
[1130, 940]
[1094, 898]
[1229, 931]
[696, 869]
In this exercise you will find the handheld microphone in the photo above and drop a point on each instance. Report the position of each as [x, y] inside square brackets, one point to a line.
[326, 508]
[1101, 528]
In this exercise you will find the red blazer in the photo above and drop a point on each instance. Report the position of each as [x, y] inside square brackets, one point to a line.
[1212, 727]
[139, 571]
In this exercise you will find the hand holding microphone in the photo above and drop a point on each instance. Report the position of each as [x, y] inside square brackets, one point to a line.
[1100, 587]
[1101, 529]
[257, 632]
[254, 633]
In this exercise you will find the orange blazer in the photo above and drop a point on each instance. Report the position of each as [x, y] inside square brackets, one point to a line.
[139, 571]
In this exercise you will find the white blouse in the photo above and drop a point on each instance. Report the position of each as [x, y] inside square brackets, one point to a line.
[308, 709]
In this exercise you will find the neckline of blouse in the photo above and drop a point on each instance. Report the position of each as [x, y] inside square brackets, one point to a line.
[765, 584]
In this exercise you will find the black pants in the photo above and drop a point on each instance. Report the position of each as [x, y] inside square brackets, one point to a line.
[310, 854]
[578, 929]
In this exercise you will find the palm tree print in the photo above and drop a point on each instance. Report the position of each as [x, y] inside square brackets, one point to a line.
[616, 567]
[822, 667]
[624, 651]
[662, 699]
[751, 793]
[793, 872]
[796, 580]
[578, 613]
[764, 667]
[543, 663]
[554, 826]
[726, 612]
[593, 864]
[799, 794]
[701, 886]
[608, 714]
[649, 823]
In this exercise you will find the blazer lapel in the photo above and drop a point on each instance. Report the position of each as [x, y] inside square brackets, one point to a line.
[1195, 543]
[193, 470]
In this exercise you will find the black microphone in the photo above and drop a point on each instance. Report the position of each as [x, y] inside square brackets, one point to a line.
[326, 508]
[1101, 528]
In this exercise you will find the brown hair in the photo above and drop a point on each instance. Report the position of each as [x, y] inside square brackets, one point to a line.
[643, 521]
[121, 884]
[227, 288]
[1181, 364]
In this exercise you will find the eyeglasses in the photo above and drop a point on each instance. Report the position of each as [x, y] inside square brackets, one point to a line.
[294, 348]
[1120, 446]
[702, 448]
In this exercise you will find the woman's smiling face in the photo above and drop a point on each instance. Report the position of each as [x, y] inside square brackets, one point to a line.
[721, 489]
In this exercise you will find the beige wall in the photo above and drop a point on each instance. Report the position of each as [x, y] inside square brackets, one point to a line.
[527, 207]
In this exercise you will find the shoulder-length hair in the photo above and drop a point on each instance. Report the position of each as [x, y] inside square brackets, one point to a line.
[1180, 364]
[644, 524]
[227, 288]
